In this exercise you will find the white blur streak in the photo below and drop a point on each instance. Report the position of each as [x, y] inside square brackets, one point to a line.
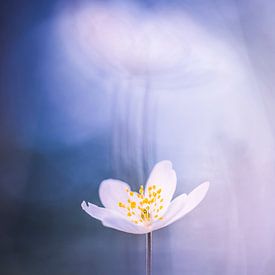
[165, 51]
[205, 110]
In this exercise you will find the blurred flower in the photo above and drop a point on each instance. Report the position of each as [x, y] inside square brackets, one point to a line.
[150, 208]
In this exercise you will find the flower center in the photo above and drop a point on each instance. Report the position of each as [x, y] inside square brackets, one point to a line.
[141, 208]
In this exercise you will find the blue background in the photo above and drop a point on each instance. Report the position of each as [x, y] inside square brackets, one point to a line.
[72, 115]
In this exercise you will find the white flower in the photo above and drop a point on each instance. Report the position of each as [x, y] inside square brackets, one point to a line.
[147, 210]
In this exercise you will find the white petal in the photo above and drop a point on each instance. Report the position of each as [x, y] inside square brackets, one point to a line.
[111, 192]
[95, 211]
[175, 206]
[113, 219]
[125, 225]
[196, 196]
[180, 207]
[164, 177]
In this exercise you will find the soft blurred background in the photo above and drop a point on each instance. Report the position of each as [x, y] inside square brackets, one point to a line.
[98, 89]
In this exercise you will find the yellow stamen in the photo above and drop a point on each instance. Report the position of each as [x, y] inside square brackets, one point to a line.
[120, 204]
[147, 207]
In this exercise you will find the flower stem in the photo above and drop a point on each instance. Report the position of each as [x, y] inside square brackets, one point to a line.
[149, 249]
